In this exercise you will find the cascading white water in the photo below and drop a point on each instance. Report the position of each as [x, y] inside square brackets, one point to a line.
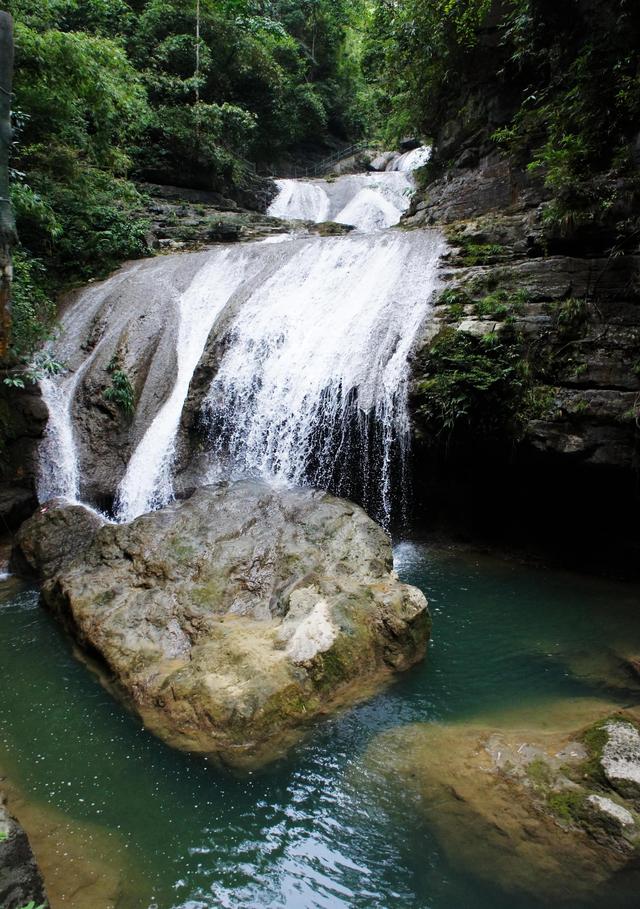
[148, 481]
[301, 199]
[371, 201]
[410, 160]
[312, 388]
[311, 340]
[59, 472]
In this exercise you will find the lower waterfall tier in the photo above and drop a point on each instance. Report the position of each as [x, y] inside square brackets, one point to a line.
[285, 361]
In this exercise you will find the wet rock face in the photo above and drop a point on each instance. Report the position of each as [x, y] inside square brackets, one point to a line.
[23, 417]
[53, 537]
[20, 879]
[575, 320]
[233, 618]
[570, 311]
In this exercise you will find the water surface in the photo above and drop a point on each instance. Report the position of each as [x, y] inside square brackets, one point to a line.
[311, 831]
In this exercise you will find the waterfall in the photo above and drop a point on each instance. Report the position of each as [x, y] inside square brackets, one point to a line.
[366, 201]
[59, 471]
[410, 160]
[312, 388]
[302, 350]
[148, 481]
[300, 199]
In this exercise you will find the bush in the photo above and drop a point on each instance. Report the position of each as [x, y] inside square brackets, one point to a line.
[120, 392]
[33, 311]
[195, 145]
[473, 385]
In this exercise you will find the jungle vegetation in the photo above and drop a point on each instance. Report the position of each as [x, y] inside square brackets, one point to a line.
[108, 93]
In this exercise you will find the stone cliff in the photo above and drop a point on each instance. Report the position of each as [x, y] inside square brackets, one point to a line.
[526, 391]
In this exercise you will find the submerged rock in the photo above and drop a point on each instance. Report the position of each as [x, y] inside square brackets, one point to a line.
[233, 618]
[20, 879]
[527, 808]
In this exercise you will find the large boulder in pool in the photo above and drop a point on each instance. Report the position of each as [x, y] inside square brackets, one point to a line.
[232, 619]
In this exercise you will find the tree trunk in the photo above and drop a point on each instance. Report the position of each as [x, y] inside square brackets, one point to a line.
[7, 224]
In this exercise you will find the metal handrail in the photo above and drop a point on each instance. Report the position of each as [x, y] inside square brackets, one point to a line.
[323, 166]
[326, 163]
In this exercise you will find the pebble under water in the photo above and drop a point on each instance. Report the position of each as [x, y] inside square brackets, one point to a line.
[167, 830]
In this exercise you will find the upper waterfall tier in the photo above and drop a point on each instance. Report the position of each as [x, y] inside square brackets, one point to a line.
[411, 160]
[368, 202]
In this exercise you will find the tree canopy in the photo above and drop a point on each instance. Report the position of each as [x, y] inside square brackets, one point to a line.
[186, 92]
[198, 92]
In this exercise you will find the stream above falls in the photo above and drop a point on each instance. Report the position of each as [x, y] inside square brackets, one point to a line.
[161, 829]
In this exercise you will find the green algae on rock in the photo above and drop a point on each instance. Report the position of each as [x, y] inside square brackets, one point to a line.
[231, 620]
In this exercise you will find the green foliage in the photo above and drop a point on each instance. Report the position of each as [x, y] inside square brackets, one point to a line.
[33, 311]
[473, 384]
[78, 103]
[455, 312]
[88, 223]
[80, 91]
[474, 253]
[106, 90]
[539, 772]
[39, 367]
[481, 253]
[188, 139]
[581, 101]
[502, 305]
[288, 74]
[564, 98]
[453, 297]
[120, 392]
[416, 55]
[569, 316]
[539, 402]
